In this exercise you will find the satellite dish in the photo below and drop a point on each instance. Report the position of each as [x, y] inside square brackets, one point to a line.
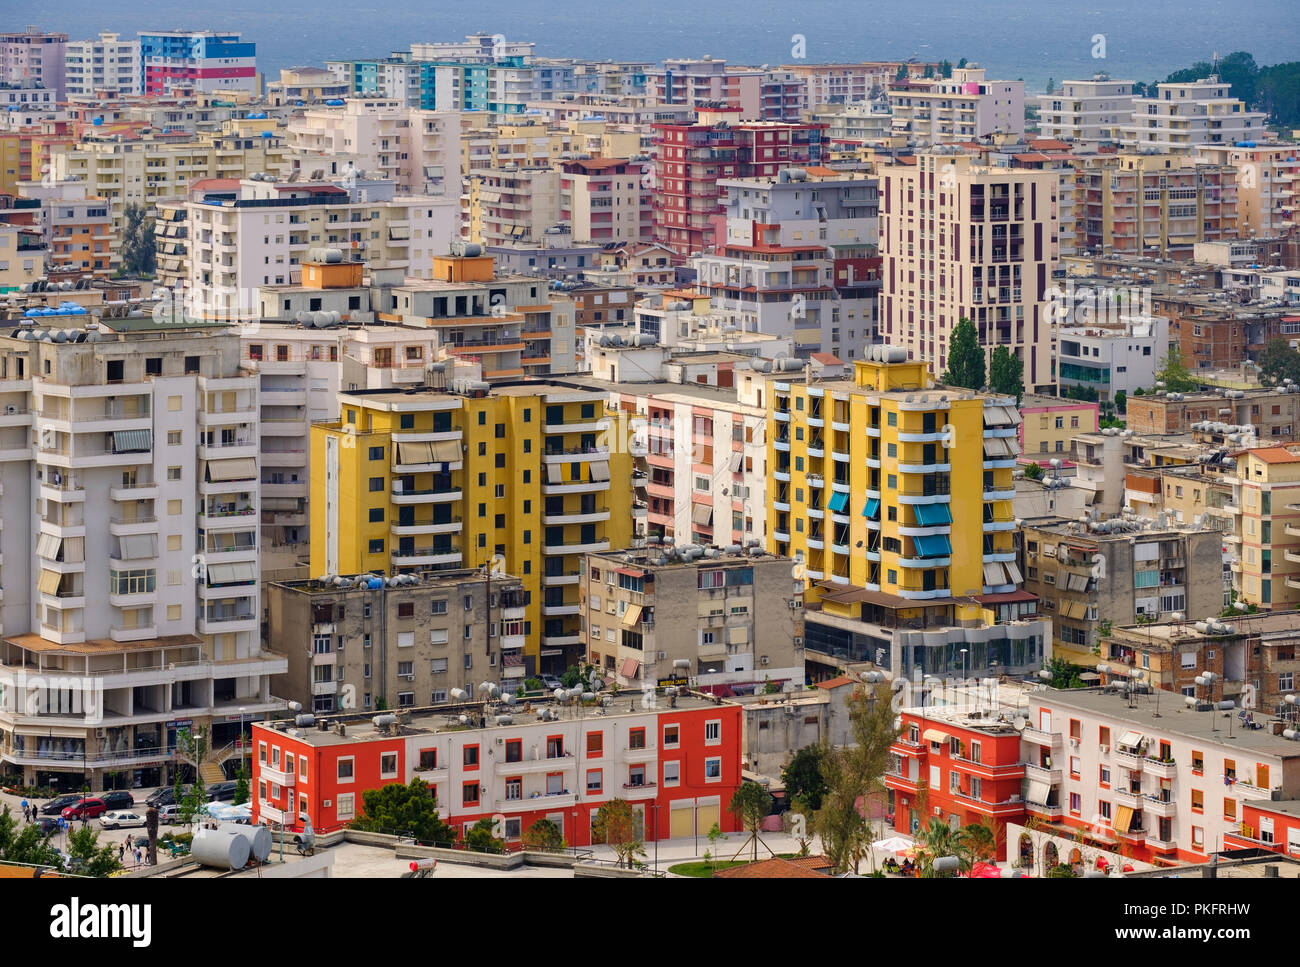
[1020, 723]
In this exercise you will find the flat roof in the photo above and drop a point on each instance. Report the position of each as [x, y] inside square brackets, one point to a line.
[1175, 718]
[94, 646]
[436, 721]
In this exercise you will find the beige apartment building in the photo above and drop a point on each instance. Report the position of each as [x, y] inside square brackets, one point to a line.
[966, 106]
[735, 619]
[1088, 111]
[1183, 115]
[1268, 184]
[1157, 204]
[960, 240]
[1265, 540]
[366, 642]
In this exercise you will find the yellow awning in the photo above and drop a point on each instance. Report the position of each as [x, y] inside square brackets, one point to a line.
[632, 615]
[934, 735]
[414, 453]
[1123, 818]
[49, 582]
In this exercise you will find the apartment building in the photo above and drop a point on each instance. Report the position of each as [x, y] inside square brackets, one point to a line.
[604, 200]
[418, 150]
[203, 60]
[145, 171]
[963, 107]
[1049, 423]
[677, 762]
[1268, 184]
[23, 252]
[1112, 359]
[691, 159]
[706, 81]
[1109, 573]
[1156, 204]
[256, 232]
[1163, 785]
[961, 240]
[106, 63]
[956, 765]
[855, 124]
[1091, 111]
[79, 234]
[130, 548]
[365, 642]
[510, 205]
[305, 85]
[1273, 414]
[744, 630]
[799, 259]
[419, 472]
[829, 84]
[34, 58]
[1185, 114]
[898, 582]
[1265, 538]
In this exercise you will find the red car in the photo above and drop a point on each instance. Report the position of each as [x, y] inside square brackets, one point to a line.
[93, 807]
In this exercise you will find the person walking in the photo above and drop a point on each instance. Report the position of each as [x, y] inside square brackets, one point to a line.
[137, 856]
[121, 853]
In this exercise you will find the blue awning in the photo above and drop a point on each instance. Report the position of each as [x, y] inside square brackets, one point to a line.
[936, 546]
[933, 515]
[872, 510]
[839, 502]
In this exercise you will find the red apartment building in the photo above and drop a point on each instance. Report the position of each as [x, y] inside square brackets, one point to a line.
[1273, 826]
[678, 765]
[690, 159]
[957, 769]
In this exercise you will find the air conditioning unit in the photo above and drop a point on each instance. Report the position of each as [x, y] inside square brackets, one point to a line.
[1104, 750]
[662, 655]
[798, 641]
[763, 660]
[794, 605]
[10, 409]
[1074, 743]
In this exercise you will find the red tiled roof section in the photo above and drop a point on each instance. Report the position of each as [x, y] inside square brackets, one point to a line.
[836, 682]
[1275, 455]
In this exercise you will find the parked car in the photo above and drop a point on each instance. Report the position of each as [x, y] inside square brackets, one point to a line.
[164, 796]
[222, 792]
[551, 682]
[118, 799]
[122, 818]
[169, 814]
[87, 808]
[48, 824]
[56, 805]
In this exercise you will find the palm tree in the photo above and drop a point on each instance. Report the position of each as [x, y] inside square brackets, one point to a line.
[937, 839]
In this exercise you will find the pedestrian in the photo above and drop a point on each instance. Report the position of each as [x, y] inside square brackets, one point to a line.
[121, 853]
[137, 856]
[128, 840]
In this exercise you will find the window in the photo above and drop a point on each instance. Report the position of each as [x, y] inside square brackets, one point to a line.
[345, 769]
[514, 750]
[712, 732]
[1105, 775]
[672, 736]
[261, 752]
[406, 699]
[302, 767]
[406, 609]
[469, 794]
[594, 780]
[346, 805]
[470, 757]
[596, 743]
[672, 773]
[713, 770]
[1198, 762]
[439, 607]
[1198, 801]
[388, 765]
[1075, 803]
[428, 759]
[515, 788]
[1230, 809]
[636, 739]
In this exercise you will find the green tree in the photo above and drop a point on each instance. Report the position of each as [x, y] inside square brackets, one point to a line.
[961, 63]
[1238, 69]
[1121, 402]
[902, 73]
[945, 68]
[190, 803]
[1064, 675]
[544, 835]
[1034, 471]
[139, 251]
[480, 839]
[965, 358]
[853, 773]
[936, 839]
[87, 857]
[242, 791]
[929, 71]
[620, 828]
[751, 803]
[803, 776]
[1279, 362]
[533, 685]
[1173, 372]
[976, 843]
[714, 835]
[29, 845]
[410, 810]
[1006, 374]
[1277, 92]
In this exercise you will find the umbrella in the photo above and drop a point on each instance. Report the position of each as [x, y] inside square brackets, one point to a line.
[894, 844]
[986, 871]
[1128, 867]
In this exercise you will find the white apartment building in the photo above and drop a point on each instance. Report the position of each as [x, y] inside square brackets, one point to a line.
[1167, 782]
[980, 246]
[1089, 111]
[932, 110]
[857, 123]
[107, 63]
[1184, 115]
[129, 468]
[1112, 359]
[418, 150]
[253, 233]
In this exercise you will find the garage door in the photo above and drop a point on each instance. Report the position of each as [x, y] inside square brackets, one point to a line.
[705, 817]
[683, 823]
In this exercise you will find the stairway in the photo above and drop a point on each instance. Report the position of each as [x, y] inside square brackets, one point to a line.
[212, 772]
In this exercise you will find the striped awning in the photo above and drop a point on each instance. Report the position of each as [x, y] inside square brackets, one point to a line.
[136, 547]
[240, 468]
[415, 453]
[132, 441]
[702, 514]
[936, 545]
[599, 471]
[553, 473]
[839, 502]
[994, 575]
[48, 583]
[630, 667]
[446, 451]
[932, 515]
[872, 509]
[632, 615]
[243, 573]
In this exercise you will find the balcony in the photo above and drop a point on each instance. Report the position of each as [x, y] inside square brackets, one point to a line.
[591, 517]
[1039, 737]
[1040, 774]
[433, 555]
[1154, 806]
[589, 547]
[432, 527]
[1161, 770]
[404, 497]
[1129, 760]
[122, 527]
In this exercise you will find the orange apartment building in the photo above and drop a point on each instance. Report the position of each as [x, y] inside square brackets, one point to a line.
[80, 234]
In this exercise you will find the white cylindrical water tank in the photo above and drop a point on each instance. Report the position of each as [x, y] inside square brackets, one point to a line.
[257, 837]
[213, 847]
